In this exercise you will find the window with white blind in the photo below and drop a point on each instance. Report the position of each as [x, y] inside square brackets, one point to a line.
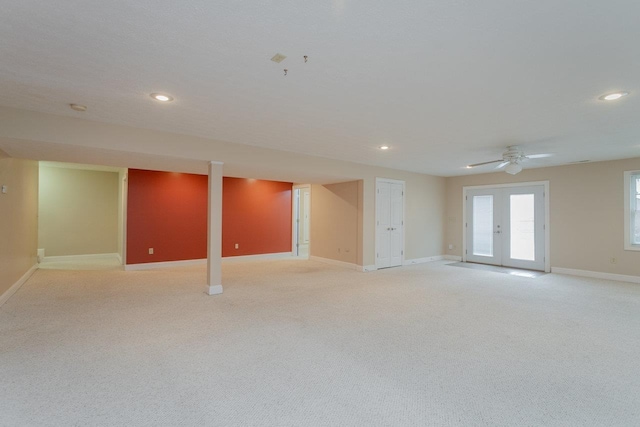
[632, 210]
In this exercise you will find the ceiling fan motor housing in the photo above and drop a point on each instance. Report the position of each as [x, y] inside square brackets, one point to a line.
[513, 154]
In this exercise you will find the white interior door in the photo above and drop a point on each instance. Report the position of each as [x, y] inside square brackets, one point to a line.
[304, 214]
[505, 226]
[301, 222]
[389, 223]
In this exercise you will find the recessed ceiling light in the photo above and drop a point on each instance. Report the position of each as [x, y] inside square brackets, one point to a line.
[78, 107]
[613, 96]
[384, 147]
[468, 167]
[161, 97]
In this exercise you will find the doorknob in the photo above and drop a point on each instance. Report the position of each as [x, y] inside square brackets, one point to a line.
[497, 232]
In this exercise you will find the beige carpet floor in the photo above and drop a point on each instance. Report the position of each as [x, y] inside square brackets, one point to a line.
[299, 343]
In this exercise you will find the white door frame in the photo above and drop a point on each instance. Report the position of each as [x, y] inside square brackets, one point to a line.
[547, 228]
[294, 204]
[375, 203]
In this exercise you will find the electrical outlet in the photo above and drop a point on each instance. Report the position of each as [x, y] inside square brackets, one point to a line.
[237, 246]
[150, 251]
[613, 260]
[450, 246]
[4, 189]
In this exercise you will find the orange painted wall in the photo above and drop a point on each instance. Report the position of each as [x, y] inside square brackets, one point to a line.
[167, 211]
[256, 215]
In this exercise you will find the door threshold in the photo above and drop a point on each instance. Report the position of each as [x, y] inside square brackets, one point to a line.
[532, 274]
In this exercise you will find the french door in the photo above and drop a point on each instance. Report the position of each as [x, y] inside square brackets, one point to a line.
[505, 226]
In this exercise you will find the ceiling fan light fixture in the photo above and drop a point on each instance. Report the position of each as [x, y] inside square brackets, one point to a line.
[513, 168]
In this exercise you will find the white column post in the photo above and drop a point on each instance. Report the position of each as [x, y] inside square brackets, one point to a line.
[214, 238]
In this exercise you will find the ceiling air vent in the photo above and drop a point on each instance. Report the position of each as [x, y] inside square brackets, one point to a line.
[278, 57]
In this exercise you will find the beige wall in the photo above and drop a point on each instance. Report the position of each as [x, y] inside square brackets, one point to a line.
[334, 221]
[78, 212]
[355, 202]
[51, 137]
[18, 219]
[586, 210]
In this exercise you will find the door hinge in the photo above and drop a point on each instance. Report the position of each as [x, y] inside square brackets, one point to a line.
[403, 193]
[401, 252]
[465, 224]
[466, 252]
[377, 255]
[402, 223]
[466, 197]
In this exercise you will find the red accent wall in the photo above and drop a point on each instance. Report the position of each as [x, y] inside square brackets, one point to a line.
[167, 211]
[256, 215]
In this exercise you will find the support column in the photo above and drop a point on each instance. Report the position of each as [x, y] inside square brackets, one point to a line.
[214, 230]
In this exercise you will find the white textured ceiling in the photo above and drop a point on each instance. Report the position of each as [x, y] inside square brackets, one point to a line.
[444, 83]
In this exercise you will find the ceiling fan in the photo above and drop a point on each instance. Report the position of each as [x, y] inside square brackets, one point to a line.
[511, 159]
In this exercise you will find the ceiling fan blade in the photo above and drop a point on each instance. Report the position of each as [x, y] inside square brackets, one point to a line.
[501, 165]
[538, 156]
[484, 163]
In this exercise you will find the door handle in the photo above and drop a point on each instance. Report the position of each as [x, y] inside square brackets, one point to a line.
[497, 232]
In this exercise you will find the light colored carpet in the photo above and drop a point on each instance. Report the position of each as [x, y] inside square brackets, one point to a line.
[299, 343]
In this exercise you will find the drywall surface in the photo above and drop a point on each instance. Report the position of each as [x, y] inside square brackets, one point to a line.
[334, 221]
[51, 137]
[78, 211]
[167, 211]
[586, 210]
[256, 216]
[18, 219]
[166, 215]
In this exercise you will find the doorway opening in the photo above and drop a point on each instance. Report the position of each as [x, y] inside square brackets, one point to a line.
[301, 220]
[507, 225]
[81, 216]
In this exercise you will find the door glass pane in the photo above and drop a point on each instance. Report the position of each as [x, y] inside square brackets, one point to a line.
[522, 223]
[483, 225]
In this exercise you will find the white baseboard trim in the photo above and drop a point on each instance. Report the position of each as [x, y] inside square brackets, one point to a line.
[596, 274]
[422, 260]
[431, 259]
[76, 258]
[336, 262]
[367, 268]
[258, 257]
[225, 260]
[119, 258]
[165, 264]
[14, 288]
